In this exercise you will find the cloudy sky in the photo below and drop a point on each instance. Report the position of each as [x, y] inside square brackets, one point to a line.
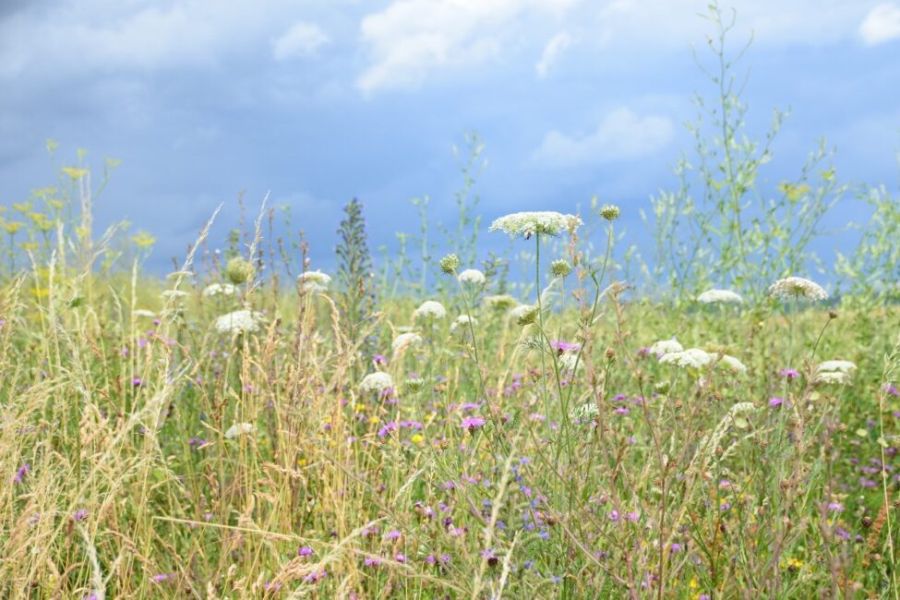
[317, 101]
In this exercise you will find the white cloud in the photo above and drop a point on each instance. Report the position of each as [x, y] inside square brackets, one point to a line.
[881, 24]
[410, 39]
[621, 135]
[302, 40]
[558, 44]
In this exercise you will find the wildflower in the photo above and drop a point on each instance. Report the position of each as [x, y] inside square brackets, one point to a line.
[219, 289]
[147, 314]
[836, 377]
[835, 371]
[430, 309]
[797, 287]
[693, 358]
[789, 373]
[610, 212]
[393, 534]
[21, 472]
[239, 270]
[586, 411]
[239, 321]
[315, 576]
[371, 561]
[719, 296]
[472, 277]
[162, 577]
[461, 324]
[417, 439]
[891, 390]
[403, 341]
[414, 384]
[449, 264]
[526, 224]
[174, 294]
[663, 347]
[560, 268]
[314, 282]
[562, 346]
[472, 423]
[732, 363]
[304, 551]
[137, 382]
[80, 515]
[776, 402]
[500, 302]
[568, 360]
[239, 429]
[524, 314]
[376, 382]
[379, 360]
[488, 555]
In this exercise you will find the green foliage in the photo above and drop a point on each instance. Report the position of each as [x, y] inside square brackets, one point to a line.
[357, 300]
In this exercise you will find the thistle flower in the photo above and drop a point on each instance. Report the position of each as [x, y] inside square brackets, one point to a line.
[524, 314]
[715, 296]
[560, 268]
[239, 321]
[219, 289]
[693, 358]
[610, 212]
[471, 277]
[500, 302]
[403, 341]
[314, 281]
[470, 424]
[449, 264]
[376, 382]
[430, 309]
[797, 287]
[239, 270]
[239, 429]
[526, 224]
[663, 347]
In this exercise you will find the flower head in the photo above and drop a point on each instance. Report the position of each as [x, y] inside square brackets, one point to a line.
[834, 371]
[524, 314]
[239, 321]
[610, 212]
[449, 264]
[472, 277]
[219, 289]
[376, 382]
[239, 270]
[560, 268]
[472, 423]
[403, 341]
[719, 296]
[314, 281]
[797, 287]
[693, 358]
[526, 224]
[239, 429]
[430, 309]
[663, 347]
[461, 324]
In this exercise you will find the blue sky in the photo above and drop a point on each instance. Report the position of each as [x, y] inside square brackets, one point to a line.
[318, 101]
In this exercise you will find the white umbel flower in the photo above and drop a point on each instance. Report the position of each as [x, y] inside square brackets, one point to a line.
[430, 309]
[314, 281]
[219, 289]
[732, 363]
[663, 347]
[715, 296]
[797, 287]
[376, 382]
[142, 312]
[239, 321]
[174, 294]
[526, 224]
[835, 371]
[524, 314]
[403, 341]
[239, 429]
[568, 360]
[471, 277]
[461, 324]
[693, 358]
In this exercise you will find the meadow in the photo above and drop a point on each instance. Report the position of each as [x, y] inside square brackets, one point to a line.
[715, 417]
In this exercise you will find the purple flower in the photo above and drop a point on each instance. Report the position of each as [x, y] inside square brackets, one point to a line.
[614, 516]
[842, 533]
[775, 402]
[387, 429]
[676, 547]
[80, 514]
[561, 346]
[472, 423]
[633, 516]
[867, 483]
[621, 410]
[21, 472]
[371, 561]
[400, 557]
[891, 390]
[315, 576]
[393, 534]
[789, 374]
[137, 381]
[197, 443]
[488, 555]
[161, 577]
[305, 551]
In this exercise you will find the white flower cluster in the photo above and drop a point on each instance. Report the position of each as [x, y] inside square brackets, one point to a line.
[693, 358]
[715, 296]
[461, 324]
[663, 347]
[142, 312]
[376, 382]
[403, 341]
[430, 309]
[586, 411]
[314, 282]
[239, 429]
[526, 224]
[732, 363]
[174, 294]
[797, 287]
[835, 371]
[239, 321]
[471, 277]
[524, 314]
[219, 289]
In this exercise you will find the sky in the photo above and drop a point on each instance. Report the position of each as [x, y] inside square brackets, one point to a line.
[315, 102]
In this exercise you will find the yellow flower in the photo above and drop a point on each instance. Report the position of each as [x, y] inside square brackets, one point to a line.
[12, 227]
[52, 145]
[417, 439]
[373, 420]
[142, 239]
[74, 172]
[794, 564]
[359, 407]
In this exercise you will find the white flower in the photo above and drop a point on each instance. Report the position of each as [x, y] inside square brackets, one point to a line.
[832, 377]
[524, 314]
[462, 322]
[500, 302]
[239, 321]
[526, 224]
[797, 287]
[376, 382]
[472, 277]
[691, 358]
[404, 341]
[586, 411]
[174, 294]
[314, 281]
[567, 360]
[663, 347]
[239, 429]
[141, 312]
[430, 309]
[219, 289]
[835, 371]
[724, 296]
[732, 363]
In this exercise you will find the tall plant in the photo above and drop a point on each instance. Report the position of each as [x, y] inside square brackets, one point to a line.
[356, 300]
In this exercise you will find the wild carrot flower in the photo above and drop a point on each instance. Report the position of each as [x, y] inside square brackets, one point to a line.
[526, 224]
[313, 282]
[430, 309]
[239, 321]
[449, 264]
[239, 429]
[693, 358]
[524, 314]
[472, 277]
[610, 212]
[664, 347]
[404, 341]
[239, 270]
[732, 363]
[797, 287]
[461, 324]
[376, 382]
[714, 296]
[219, 289]
[835, 371]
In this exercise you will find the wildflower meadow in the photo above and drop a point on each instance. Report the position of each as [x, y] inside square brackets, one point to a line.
[713, 417]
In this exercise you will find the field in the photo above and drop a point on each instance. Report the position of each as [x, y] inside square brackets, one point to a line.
[219, 434]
